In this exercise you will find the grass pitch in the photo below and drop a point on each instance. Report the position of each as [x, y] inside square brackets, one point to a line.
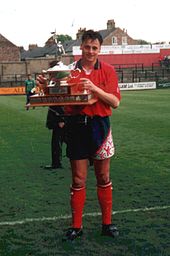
[34, 203]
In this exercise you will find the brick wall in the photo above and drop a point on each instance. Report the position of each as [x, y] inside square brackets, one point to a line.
[9, 53]
[119, 34]
[19, 69]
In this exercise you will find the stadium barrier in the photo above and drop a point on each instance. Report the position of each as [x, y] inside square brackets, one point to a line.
[163, 85]
[19, 90]
[137, 86]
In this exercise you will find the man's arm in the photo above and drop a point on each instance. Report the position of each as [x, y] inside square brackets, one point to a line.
[109, 98]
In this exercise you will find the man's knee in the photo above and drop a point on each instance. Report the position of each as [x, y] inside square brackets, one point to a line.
[78, 182]
[102, 178]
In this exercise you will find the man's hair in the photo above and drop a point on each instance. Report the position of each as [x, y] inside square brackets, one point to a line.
[93, 35]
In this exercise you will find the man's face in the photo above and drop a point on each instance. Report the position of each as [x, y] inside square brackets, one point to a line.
[90, 50]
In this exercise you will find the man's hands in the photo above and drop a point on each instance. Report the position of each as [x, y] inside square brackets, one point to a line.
[61, 124]
[41, 80]
[88, 85]
[108, 98]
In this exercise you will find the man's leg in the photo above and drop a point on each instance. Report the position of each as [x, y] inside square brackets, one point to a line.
[77, 201]
[104, 188]
[56, 148]
[77, 198]
[104, 193]
[78, 191]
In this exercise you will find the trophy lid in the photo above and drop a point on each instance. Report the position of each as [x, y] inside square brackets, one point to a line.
[61, 71]
[58, 67]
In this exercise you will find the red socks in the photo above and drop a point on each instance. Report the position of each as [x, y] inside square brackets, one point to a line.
[77, 201]
[104, 193]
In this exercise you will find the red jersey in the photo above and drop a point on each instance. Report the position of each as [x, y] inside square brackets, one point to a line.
[104, 76]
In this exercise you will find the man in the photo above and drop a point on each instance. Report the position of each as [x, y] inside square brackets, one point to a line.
[56, 123]
[30, 87]
[89, 135]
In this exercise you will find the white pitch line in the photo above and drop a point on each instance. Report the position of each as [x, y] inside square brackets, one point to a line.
[93, 214]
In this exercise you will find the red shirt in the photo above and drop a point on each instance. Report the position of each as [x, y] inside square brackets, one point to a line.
[104, 76]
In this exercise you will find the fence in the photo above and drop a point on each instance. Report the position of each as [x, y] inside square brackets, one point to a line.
[126, 73]
[139, 73]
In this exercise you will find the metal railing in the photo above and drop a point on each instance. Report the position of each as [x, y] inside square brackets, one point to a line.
[126, 73]
[139, 73]
[134, 66]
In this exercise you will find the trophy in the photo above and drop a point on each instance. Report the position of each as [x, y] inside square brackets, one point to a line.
[63, 87]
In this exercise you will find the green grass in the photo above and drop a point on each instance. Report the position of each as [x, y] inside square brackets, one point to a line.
[139, 172]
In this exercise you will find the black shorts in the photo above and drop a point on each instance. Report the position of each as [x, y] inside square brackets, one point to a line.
[89, 137]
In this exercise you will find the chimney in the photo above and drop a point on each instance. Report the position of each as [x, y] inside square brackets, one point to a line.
[80, 33]
[32, 46]
[110, 24]
[50, 41]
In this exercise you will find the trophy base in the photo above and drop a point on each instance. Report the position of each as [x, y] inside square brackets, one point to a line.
[61, 100]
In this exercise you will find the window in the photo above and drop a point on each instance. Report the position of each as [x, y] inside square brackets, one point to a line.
[124, 40]
[114, 40]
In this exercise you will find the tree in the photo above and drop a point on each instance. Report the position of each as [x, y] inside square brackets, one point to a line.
[63, 38]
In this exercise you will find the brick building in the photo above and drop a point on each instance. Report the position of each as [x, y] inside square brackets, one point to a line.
[112, 35]
[8, 51]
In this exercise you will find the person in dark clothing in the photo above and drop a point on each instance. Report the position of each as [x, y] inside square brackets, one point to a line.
[55, 122]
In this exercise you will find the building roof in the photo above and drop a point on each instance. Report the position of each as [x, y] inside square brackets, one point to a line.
[50, 47]
[39, 52]
[4, 42]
